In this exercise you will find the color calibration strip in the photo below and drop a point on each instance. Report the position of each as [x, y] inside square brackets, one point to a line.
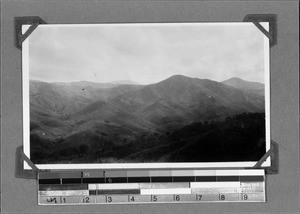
[156, 186]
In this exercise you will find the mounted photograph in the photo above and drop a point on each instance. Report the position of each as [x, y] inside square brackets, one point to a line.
[146, 95]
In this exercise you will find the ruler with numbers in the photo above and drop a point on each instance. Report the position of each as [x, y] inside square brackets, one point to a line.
[153, 186]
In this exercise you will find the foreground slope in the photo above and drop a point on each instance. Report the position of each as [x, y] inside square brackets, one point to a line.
[91, 122]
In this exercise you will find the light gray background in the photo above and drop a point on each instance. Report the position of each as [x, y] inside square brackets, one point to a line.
[20, 196]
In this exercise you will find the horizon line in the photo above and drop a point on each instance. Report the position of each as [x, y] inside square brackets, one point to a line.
[136, 83]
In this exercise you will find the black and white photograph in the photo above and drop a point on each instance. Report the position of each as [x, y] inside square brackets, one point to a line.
[175, 94]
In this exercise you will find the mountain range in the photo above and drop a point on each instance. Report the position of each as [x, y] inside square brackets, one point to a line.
[69, 115]
[251, 87]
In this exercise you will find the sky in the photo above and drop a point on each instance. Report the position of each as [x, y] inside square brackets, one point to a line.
[146, 53]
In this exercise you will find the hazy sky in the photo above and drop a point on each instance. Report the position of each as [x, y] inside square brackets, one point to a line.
[145, 53]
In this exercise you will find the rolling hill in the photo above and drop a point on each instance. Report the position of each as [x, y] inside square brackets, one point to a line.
[66, 98]
[178, 99]
[107, 122]
[252, 87]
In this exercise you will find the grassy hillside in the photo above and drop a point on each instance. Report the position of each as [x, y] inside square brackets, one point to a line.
[179, 119]
[238, 138]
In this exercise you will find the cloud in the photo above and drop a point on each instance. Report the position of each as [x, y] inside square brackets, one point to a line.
[146, 53]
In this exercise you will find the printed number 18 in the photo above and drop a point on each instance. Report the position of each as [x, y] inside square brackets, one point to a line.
[222, 197]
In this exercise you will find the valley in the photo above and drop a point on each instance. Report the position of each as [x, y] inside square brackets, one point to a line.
[179, 119]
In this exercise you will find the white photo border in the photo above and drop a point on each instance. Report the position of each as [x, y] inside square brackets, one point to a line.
[182, 165]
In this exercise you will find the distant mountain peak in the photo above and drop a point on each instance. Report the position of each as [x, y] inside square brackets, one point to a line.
[176, 80]
[179, 77]
[253, 87]
[234, 79]
[237, 80]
